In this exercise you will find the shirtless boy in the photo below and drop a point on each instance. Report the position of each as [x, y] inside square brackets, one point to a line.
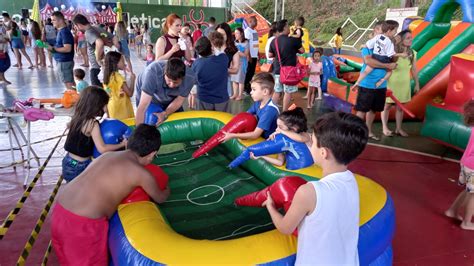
[80, 217]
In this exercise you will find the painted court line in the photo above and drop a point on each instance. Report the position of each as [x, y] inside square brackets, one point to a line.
[414, 152]
[208, 194]
[243, 232]
[205, 196]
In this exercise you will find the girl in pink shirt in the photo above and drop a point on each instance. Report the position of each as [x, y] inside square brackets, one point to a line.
[315, 70]
[465, 200]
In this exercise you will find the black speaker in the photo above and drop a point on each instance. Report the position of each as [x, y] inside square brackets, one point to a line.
[25, 13]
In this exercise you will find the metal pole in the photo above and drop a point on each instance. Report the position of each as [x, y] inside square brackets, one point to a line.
[283, 9]
[10, 129]
[365, 31]
[28, 133]
[276, 5]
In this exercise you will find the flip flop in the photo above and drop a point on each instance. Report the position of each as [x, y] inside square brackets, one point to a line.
[373, 137]
[390, 134]
[399, 134]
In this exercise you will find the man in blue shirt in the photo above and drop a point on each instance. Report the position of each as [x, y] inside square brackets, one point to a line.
[371, 99]
[166, 83]
[63, 50]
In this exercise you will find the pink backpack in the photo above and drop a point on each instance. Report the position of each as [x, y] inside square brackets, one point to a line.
[290, 75]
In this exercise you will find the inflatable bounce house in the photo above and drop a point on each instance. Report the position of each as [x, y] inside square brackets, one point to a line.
[207, 221]
[439, 44]
[444, 121]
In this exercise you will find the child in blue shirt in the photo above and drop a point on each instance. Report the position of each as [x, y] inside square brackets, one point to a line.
[79, 75]
[266, 111]
[211, 73]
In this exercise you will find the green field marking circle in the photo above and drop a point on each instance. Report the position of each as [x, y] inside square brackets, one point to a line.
[219, 188]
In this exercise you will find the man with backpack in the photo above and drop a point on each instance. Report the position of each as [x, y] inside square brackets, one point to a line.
[97, 41]
[284, 50]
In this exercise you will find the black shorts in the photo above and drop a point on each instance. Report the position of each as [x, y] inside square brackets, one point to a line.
[382, 58]
[370, 100]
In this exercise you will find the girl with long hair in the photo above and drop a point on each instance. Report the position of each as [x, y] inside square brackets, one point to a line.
[40, 59]
[84, 133]
[238, 80]
[167, 46]
[18, 46]
[231, 51]
[82, 47]
[338, 41]
[24, 32]
[120, 105]
[400, 81]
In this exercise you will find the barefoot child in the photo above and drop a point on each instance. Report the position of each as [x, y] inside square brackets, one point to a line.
[263, 108]
[315, 71]
[326, 212]
[120, 105]
[81, 84]
[338, 41]
[79, 221]
[84, 132]
[150, 56]
[384, 51]
[464, 202]
[139, 43]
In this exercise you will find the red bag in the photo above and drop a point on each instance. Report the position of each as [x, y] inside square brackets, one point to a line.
[290, 75]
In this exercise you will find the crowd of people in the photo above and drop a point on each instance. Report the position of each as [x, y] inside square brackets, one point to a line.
[209, 68]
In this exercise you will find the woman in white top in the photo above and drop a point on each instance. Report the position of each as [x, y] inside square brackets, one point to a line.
[146, 35]
[167, 45]
[272, 34]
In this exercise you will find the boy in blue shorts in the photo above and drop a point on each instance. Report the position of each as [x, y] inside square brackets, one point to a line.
[266, 111]
[326, 212]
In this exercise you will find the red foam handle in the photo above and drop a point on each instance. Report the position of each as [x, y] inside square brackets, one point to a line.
[242, 122]
[139, 194]
[399, 104]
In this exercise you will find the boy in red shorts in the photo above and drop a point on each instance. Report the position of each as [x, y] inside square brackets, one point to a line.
[80, 217]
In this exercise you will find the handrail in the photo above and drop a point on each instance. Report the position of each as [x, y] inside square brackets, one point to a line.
[244, 2]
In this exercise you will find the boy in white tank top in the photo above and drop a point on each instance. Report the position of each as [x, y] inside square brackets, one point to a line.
[326, 212]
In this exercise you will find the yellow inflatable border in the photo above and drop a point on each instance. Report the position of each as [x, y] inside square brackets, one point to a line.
[155, 239]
